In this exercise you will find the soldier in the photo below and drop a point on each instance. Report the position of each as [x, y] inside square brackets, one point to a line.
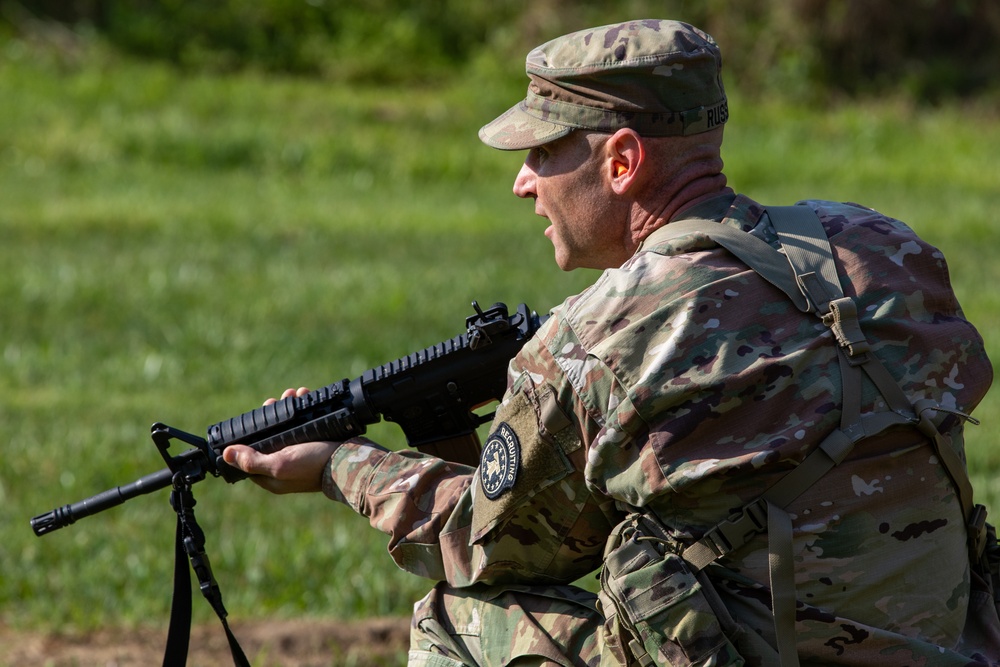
[654, 423]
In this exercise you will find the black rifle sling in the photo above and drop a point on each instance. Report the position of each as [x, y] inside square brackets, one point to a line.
[190, 545]
[806, 273]
[179, 634]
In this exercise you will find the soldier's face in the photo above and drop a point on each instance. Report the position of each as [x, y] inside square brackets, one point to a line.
[567, 181]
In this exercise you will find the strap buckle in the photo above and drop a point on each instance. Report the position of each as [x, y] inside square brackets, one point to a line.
[977, 532]
[734, 532]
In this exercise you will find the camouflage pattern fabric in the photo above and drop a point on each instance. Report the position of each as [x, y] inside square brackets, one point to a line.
[660, 78]
[684, 384]
[491, 625]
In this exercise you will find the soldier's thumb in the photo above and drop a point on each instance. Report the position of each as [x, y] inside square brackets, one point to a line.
[245, 458]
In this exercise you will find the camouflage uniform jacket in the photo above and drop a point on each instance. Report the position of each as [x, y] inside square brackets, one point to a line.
[685, 384]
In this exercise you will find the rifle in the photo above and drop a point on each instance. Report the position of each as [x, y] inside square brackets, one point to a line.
[431, 394]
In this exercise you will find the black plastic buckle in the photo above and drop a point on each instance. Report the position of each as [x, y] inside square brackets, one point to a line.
[737, 530]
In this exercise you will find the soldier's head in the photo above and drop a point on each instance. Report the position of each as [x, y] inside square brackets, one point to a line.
[613, 116]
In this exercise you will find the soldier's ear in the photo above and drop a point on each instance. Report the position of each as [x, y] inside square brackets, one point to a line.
[625, 156]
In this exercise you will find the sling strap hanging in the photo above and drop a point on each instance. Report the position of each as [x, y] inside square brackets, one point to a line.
[190, 544]
[806, 273]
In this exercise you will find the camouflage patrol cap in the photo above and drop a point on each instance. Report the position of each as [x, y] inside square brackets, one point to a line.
[660, 78]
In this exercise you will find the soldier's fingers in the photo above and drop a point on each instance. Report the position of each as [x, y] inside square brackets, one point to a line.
[301, 391]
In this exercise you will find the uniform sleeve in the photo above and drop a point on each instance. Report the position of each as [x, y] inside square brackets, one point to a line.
[523, 516]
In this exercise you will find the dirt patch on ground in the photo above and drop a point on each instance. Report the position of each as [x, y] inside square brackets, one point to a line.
[297, 643]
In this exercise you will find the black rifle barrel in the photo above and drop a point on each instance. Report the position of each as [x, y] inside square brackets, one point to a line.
[68, 514]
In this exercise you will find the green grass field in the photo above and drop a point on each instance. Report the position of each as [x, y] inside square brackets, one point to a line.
[178, 248]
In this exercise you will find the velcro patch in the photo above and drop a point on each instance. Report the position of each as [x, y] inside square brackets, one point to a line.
[517, 462]
[500, 462]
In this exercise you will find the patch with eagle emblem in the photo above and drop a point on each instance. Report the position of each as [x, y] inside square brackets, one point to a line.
[501, 461]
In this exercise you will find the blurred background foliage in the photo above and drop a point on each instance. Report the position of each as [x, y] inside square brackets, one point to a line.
[811, 50]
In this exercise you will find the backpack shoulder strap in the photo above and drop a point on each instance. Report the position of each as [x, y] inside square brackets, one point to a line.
[752, 251]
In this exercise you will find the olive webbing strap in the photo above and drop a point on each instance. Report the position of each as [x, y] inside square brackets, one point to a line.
[804, 242]
[752, 251]
[974, 514]
[781, 571]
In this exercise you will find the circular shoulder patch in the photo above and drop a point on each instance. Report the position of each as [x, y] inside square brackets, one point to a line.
[501, 461]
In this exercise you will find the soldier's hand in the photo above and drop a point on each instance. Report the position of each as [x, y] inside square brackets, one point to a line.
[294, 469]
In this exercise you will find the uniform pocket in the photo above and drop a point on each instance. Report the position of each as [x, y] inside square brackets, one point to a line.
[655, 604]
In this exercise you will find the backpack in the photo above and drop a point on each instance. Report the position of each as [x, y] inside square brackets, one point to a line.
[657, 601]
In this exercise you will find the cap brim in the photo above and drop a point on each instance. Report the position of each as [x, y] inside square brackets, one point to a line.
[517, 130]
